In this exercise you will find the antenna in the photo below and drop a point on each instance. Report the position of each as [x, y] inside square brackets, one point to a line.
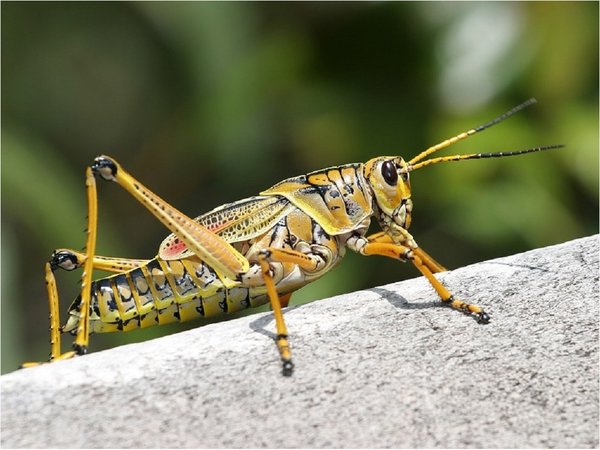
[466, 134]
[480, 155]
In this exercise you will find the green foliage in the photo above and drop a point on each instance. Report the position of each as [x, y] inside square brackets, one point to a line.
[211, 102]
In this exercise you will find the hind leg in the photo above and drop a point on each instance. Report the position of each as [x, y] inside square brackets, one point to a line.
[68, 259]
[81, 340]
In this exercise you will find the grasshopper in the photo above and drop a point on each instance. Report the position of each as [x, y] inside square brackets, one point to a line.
[252, 251]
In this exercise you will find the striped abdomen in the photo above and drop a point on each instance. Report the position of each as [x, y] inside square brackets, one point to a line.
[161, 292]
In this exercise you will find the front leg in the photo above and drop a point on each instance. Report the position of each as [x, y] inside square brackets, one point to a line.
[381, 246]
[431, 263]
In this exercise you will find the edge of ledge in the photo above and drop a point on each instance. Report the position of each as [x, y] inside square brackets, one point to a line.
[218, 385]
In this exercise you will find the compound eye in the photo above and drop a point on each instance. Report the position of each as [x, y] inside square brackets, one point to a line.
[388, 171]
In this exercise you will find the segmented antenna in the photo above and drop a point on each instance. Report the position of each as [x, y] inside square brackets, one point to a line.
[466, 134]
[480, 155]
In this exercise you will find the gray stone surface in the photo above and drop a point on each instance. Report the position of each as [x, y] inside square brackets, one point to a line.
[385, 367]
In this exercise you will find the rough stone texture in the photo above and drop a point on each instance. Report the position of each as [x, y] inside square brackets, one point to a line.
[385, 367]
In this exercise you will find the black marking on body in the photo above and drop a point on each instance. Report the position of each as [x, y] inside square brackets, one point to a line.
[275, 232]
[340, 187]
[205, 275]
[317, 231]
[152, 266]
[122, 287]
[290, 238]
[104, 286]
[134, 319]
[165, 289]
[200, 307]
[77, 303]
[330, 191]
[246, 301]
[184, 284]
[347, 190]
[94, 302]
[142, 287]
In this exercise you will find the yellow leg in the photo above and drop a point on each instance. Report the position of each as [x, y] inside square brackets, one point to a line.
[305, 261]
[208, 246]
[54, 318]
[83, 332]
[54, 308]
[431, 263]
[68, 259]
[211, 248]
[284, 300]
[397, 251]
[82, 337]
[282, 334]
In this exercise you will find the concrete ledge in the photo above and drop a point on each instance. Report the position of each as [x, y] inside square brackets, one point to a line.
[386, 367]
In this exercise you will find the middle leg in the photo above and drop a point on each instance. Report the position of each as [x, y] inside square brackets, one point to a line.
[310, 262]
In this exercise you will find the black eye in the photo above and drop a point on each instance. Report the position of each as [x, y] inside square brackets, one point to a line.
[388, 170]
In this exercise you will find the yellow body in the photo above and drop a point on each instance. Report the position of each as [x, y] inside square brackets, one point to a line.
[252, 251]
[312, 213]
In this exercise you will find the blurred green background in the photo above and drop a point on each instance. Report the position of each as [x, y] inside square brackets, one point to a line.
[207, 103]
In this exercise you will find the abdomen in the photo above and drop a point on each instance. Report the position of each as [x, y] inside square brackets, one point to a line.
[161, 292]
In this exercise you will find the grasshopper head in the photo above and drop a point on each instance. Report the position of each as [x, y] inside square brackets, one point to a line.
[388, 175]
[389, 181]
